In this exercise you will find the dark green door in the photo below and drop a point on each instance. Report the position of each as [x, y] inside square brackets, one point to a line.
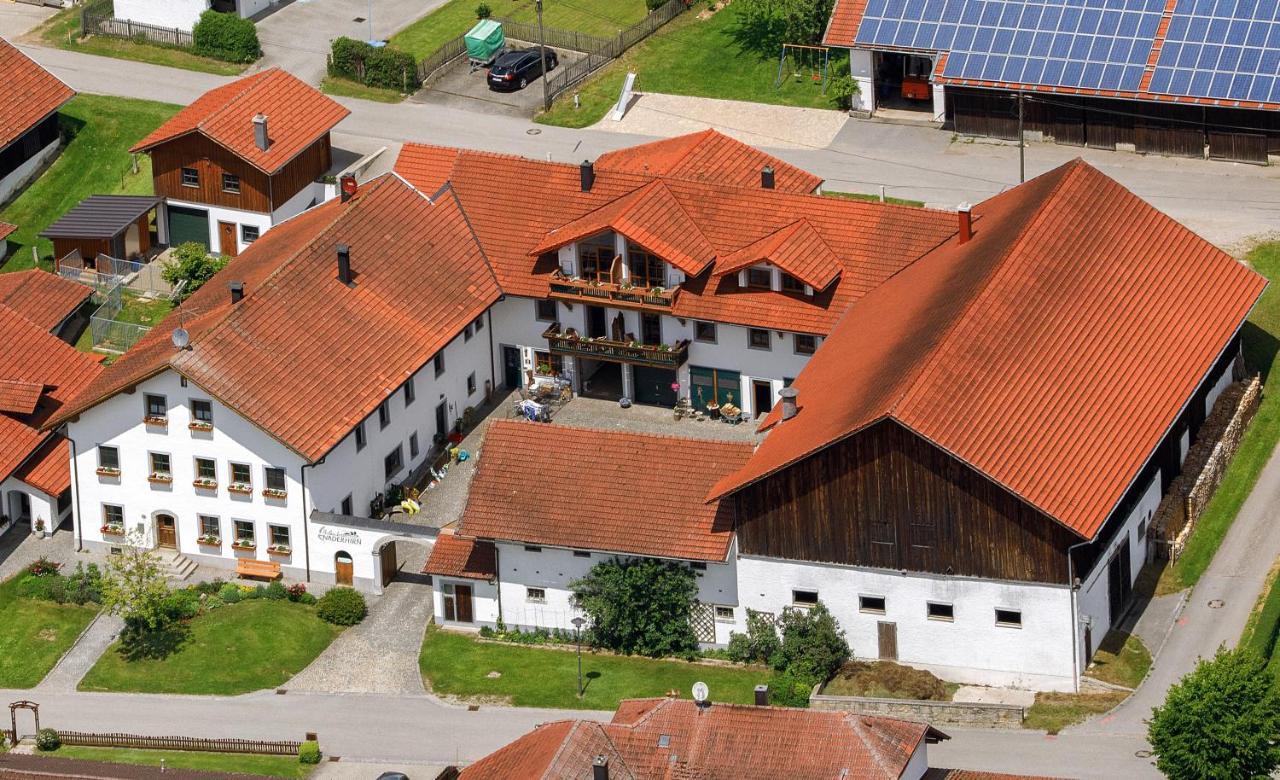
[653, 386]
[188, 225]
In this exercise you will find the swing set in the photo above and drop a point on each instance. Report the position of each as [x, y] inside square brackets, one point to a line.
[813, 61]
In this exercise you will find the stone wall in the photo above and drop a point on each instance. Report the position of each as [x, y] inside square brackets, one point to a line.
[935, 713]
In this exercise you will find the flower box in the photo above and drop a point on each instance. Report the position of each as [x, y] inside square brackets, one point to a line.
[280, 549]
[159, 478]
[158, 421]
[240, 487]
[107, 471]
[243, 544]
[272, 493]
[210, 541]
[113, 529]
[205, 483]
[200, 425]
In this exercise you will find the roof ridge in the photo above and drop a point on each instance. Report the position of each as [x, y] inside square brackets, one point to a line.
[249, 83]
[685, 211]
[726, 443]
[872, 745]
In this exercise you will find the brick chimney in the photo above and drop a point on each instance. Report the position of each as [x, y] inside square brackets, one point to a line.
[237, 291]
[789, 405]
[965, 213]
[260, 138]
[344, 264]
[766, 178]
[587, 174]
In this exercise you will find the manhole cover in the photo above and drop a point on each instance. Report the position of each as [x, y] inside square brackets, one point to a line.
[533, 131]
[1142, 753]
[1217, 604]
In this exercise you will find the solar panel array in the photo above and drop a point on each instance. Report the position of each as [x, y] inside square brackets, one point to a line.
[1224, 49]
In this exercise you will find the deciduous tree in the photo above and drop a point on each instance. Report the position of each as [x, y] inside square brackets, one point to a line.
[639, 606]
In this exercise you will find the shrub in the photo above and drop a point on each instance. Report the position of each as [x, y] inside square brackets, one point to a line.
[229, 593]
[276, 591]
[759, 645]
[192, 263]
[211, 603]
[226, 37]
[256, 592]
[789, 690]
[639, 606]
[307, 598]
[813, 644]
[48, 739]
[483, 11]
[212, 587]
[296, 591]
[842, 90]
[42, 588]
[309, 752]
[43, 567]
[342, 607]
[654, 5]
[382, 66]
[84, 585]
[182, 604]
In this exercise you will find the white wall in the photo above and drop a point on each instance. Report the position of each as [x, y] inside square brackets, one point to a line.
[18, 178]
[316, 192]
[1222, 383]
[484, 602]
[182, 14]
[970, 649]
[247, 8]
[863, 73]
[221, 214]
[42, 505]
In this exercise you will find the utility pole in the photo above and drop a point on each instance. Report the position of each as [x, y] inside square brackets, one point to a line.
[1022, 145]
[370, 21]
[542, 52]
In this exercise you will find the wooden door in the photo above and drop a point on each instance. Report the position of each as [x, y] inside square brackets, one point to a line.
[227, 243]
[510, 367]
[888, 640]
[462, 603]
[342, 567]
[389, 564]
[166, 531]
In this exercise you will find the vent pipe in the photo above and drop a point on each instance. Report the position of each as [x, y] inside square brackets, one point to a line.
[344, 264]
[600, 768]
[762, 695]
[237, 291]
[260, 132]
[766, 178]
[587, 172]
[966, 222]
[789, 410]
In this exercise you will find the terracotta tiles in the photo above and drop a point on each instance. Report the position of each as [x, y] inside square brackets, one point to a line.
[711, 157]
[842, 29]
[1060, 334]
[797, 249]
[6, 230]
[31, 93]
[19, 397]
[42, 297]
[297, 116]
[617, 491]
[461, 556]
[49, 468]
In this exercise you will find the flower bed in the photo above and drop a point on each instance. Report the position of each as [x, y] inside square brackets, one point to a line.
[156, 420]
[197, 425]
[243, 544]
[240, 487]
[271, 493]
[157, 478]
[113, 529]
[210, 541]
[206, 484]
[107, 471]
[280, 549]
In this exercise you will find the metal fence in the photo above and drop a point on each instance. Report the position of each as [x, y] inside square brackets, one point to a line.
[108, 271]
[97, 19]
[260, 747]
[443, 57]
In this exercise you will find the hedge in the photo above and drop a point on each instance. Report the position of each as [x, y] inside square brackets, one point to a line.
[226, 37]
[373, 66]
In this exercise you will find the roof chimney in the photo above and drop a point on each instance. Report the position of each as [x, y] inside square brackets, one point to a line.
[789, 409]
[237, 291]
[588, 173]
[966, 222]
[762, 695]
[344, 264]
[348, 187]
[766, 178]
[260, 131]
[600, 768]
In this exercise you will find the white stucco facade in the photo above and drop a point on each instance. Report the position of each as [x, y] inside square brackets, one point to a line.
[17, 179]
[25, 505]
[180, 14]
[237, 217]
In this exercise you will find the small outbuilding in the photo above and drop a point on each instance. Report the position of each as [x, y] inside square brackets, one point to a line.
[115, 225]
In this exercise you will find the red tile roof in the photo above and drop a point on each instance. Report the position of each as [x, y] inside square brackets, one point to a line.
[31, 93]
[615, 491]
[42, 297]
[462, 556]
[797, 249]
[49, 469]
[297, 114]
[872, 241]
[33, 356]
[420, 279]
[19, 397]
[1059, 335]
[708, 156]
[842, 29]
[6, 230]
[720, 742]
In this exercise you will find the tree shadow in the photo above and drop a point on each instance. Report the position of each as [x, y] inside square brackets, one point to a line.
[140, 644]
[1260, 348]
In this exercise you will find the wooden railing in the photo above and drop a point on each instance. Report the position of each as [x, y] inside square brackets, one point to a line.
[270, 748]
[621, 295]
[657, 355]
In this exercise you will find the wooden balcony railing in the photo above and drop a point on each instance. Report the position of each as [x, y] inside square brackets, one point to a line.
[658, 356]
[618, 294]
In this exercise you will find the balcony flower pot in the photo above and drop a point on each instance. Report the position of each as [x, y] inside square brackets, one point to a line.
[107, 471]
[280, 549]
[112, 529]
[240, 487]
[200, 425]
[209, 541]
[205, 483]
[243, 544]
[269, 493]
[156, 478]
[157, 421]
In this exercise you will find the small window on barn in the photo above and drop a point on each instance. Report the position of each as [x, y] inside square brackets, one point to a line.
[581, 554]
[804, 598]
[1009, 618]
[347, 505]
[536, 595]
[872, 605]
[249, 233]
[532, 548]
[190, 177]
[231, 183]
[705, 331]
[939, 611]
[360, 437]
[724, 614]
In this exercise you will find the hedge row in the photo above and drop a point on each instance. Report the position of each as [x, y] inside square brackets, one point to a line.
[226, 37]
[373, 66]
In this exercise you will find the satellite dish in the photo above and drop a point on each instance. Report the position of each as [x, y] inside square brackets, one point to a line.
[701, 692]
[181, 338]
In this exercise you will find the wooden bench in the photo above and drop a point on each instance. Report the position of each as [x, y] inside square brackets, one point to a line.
[248, 567]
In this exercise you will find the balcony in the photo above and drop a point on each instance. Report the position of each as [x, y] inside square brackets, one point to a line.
[621, 295]
[657, 355]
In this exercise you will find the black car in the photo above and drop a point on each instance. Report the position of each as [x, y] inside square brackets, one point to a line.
[515, 69]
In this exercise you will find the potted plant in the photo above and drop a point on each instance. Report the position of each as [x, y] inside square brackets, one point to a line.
[205, 483]
[210, 540]
[280, 549]
[39, 527]
[240, 487]
[200, 425]
[159, 477]
[274, 493]
[112, 529]
[108, 471]
[158, 420]
[244, 544]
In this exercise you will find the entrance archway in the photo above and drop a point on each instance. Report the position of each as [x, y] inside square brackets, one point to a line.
[344, 568]
[400, 559]
[166, 530]
[13, 717]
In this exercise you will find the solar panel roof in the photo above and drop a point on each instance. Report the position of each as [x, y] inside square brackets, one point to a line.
[1223, 49]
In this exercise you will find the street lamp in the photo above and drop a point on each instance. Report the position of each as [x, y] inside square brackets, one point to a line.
[578, 623]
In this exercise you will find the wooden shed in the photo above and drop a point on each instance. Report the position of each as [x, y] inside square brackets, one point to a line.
[115, 225]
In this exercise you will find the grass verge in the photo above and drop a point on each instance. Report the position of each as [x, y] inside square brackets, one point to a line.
[1263, 628]
[34, 634]
[874, 198]
[340, 87]
[1121, 659]
[95, 161]
[1053, 712]
[235, 649]
[63, 31]
[700, 58]
[1260, 335]
[455, 664]
[230, 763]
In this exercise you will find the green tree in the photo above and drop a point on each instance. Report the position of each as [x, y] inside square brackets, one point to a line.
[1220, 721]
[764, 25]
[639, 606]
[191, 263]
[813, 644]
[134, 588]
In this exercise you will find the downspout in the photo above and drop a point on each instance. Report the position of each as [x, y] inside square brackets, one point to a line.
[1075, 620]
[75, 479]
[493, 376]
[497, 578]
[306, 533]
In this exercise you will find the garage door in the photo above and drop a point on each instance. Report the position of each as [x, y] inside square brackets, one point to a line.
[188, 225]
[653, 386]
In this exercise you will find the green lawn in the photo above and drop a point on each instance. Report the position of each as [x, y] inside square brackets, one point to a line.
[873, 198]
[456, 664]
[1053, 712]
[1263, 628]
[688, 56]
[63, 31]
[35, 634]
[1261, 338]
[1121, 659]
[601, 18]
[239, 763]
[235, 649]
[135, 309]
[340, 87]
[96, 161]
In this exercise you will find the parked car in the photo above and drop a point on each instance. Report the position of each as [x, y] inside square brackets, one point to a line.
[515, 69]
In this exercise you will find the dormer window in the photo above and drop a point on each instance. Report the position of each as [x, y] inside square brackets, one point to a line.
[647, 269]
[595, 257]
[759, 279]
[791, 284]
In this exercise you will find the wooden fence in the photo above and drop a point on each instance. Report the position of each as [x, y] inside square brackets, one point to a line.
[92, 739]
[97, 19]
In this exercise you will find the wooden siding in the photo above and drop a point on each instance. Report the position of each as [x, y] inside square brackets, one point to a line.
[889, 499]
[258, 192]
